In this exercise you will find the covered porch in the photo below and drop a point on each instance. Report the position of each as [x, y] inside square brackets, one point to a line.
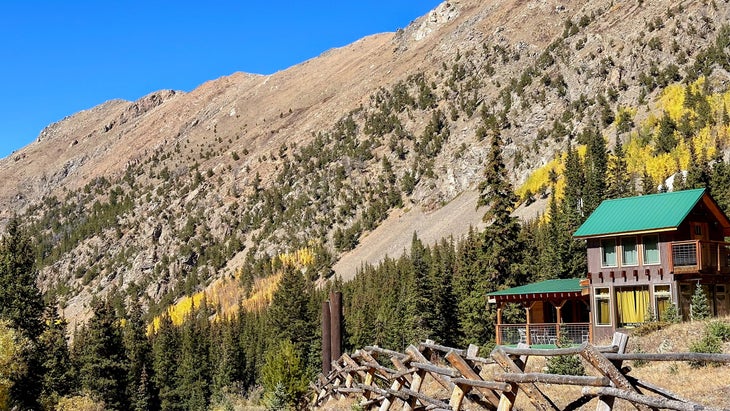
[553, 308]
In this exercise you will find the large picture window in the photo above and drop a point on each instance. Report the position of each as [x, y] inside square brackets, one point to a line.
[603, 306]
[651, 249]
[629, 253]
[632, 305]
[608, 253]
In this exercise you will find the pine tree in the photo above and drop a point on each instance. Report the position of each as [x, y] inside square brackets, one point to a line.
[619, 182]
[420, 291]
[103, 362]
[289, 314]
[284, 368]
[193, 371]
[21, 304]
[166, 349]
[20, 300]
[139, 356]
[574, 189]
[596, 165]
[501, 244]
[720, 184]
[648, 185]
[700, 308]
[698, 173]
[59, 379]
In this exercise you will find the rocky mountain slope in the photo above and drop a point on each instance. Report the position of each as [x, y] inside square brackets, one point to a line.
[161, 196]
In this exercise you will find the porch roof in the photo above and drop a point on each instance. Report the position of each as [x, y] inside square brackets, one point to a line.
[558, 289]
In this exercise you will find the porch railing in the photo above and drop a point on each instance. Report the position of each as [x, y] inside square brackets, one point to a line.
[542, 333]
[700, 256]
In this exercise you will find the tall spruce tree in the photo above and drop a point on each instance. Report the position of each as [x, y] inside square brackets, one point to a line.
[22, 305]
[698, 173]
[501, 243]
[103, 360]
[193, 371]
[596, 166]
[139, 355]
[59, 378]
[572, 252]
[470, 290]
[166, 349]
[289, 314]
[619, 182]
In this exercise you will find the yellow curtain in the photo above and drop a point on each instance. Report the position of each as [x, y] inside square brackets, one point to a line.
[604, 315]
[633, 305]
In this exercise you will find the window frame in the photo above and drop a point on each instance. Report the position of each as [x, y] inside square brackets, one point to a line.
[603, 253]
[661, 294]
[658, 250]
[598, 296]
[636, 252]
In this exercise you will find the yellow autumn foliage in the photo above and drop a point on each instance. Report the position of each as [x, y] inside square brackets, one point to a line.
[227, 294]
[639, 150]
[541, 177]
[11, 345]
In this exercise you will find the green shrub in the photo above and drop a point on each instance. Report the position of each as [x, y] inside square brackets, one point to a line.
[565, 364]
[719, 329]
[671, 314]
[709, 344]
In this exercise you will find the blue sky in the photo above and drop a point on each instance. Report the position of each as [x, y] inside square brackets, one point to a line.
[60, 57]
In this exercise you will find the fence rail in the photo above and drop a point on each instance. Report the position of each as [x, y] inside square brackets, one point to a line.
[400, 385]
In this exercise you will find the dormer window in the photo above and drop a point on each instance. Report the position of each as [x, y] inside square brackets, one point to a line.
[608, 253]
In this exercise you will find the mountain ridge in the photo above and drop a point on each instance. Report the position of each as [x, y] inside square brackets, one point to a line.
[324, 151]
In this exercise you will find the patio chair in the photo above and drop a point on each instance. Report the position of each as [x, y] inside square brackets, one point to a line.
[523, 336]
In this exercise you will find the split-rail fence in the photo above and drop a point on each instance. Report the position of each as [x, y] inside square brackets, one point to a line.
[389, 380]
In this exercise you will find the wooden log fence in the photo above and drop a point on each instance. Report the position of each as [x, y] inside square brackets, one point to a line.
[435, 377]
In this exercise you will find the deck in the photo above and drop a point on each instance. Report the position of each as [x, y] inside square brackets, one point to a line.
[547, 334]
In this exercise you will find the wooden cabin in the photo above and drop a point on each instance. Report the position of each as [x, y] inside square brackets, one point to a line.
[647, 252]
[552, 308]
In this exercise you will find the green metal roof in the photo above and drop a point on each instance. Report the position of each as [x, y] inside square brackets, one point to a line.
[653, 212]
[569, 285]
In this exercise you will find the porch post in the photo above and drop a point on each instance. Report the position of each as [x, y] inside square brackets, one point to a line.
[528, 306]
[559, 308]
[499, 323]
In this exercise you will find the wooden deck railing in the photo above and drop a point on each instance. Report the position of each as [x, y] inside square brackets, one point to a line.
[542, 333]
[700, 256]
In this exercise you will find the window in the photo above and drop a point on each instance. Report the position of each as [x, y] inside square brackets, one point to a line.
[603, 306]
[662, 301]
[632, 305]
[629, 254]
[608, 253]
[651, 249]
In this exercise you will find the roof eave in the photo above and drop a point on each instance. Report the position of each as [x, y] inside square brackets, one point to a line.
[625, 233]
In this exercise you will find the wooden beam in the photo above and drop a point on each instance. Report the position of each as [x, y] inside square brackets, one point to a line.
[543, 352]
[686, 356]
[537, 398]
[418, 358]
[608, 369]
[645, 401]
[457, 396]
[457, 362]
[553, 379]
[492, 385]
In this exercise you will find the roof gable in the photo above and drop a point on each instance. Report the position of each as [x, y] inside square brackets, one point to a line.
[654, 212]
